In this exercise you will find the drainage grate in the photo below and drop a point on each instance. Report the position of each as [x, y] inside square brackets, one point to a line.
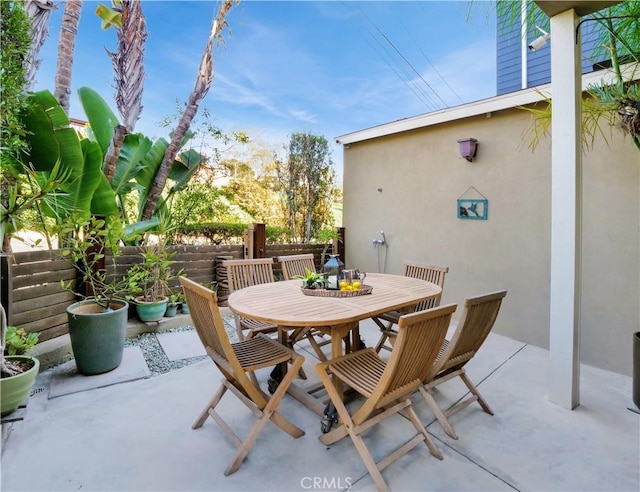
[35, 391]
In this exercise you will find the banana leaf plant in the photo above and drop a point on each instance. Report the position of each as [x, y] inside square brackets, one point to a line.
[139, 159]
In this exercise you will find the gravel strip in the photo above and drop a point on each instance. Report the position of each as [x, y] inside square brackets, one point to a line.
[156, 358]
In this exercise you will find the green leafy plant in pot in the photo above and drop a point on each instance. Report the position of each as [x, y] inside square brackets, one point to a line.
[312, 280]
[148, 281]
[18, 369]
[98, 322]
[172, 306]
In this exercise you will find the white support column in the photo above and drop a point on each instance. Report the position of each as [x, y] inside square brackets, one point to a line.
[524, 44]
[566, 209]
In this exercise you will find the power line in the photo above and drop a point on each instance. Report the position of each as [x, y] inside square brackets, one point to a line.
[399, 70]
[427, 58]
[402, 56]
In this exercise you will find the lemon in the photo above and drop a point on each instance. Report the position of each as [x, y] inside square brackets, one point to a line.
[356, 285]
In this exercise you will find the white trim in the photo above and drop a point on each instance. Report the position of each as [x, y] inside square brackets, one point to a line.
[476, 108]
[524, 47]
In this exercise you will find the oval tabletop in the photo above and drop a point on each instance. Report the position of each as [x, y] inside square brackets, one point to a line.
[284, 304]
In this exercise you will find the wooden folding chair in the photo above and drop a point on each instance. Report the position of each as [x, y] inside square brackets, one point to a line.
[237, 363]
[245, 273]
[386, 321]
[293, 265]
[387, 386]
[476, 322]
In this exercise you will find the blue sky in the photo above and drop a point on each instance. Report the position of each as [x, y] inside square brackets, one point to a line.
[328, 67]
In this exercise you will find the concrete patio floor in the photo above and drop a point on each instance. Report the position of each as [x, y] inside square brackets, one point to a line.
[137, 436]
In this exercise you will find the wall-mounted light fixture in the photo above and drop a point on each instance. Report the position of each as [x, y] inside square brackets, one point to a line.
[539, 42]
[468, 148]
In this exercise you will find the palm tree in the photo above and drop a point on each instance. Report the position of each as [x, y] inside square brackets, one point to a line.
[39, 12]
[66, 47]
[128, 61]
[202, 85]
[128, 66]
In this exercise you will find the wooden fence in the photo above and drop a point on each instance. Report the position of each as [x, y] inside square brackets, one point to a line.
[37, 302]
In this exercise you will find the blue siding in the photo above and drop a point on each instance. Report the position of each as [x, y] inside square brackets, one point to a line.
[509, 58]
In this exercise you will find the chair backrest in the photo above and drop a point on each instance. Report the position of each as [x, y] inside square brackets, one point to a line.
[205, 315]
[203, 306]
[293, 265]
[428, 273]
[245, 273]
[420, 336]
[475, 324]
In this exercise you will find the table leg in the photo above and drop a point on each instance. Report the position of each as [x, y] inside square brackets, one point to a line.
[339, 334]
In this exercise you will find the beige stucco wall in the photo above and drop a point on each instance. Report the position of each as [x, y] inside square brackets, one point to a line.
[422, 174]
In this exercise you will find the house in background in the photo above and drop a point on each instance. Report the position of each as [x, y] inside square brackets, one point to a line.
[406, 178]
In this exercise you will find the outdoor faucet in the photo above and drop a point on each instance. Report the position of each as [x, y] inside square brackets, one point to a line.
[380, 242]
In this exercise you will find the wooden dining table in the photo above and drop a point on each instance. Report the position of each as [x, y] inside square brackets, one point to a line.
[284, 304]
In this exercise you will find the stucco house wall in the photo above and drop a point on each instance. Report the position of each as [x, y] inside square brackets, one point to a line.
[421, 175]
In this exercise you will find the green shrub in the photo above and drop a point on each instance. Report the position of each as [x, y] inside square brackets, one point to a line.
[18, 341]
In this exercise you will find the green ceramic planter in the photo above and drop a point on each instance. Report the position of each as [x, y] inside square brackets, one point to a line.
[151, 311]
[172, 310]
[16, 389]
[97, 336]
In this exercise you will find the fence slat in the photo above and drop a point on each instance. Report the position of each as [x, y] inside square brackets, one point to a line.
[64, 297]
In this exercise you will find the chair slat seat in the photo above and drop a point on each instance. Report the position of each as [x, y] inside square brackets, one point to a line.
[260, 352]
[361, 372]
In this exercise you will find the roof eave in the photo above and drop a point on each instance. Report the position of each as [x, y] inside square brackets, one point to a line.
[582, 7]
[476, 108]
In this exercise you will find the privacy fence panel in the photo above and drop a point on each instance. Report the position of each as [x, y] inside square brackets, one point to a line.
[38, 301]
[196, 262]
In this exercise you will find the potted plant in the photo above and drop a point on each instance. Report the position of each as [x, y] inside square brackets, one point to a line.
[97, 322]
[182, 301]
[18, 370]
[312, 280]
[172, 306]
[148, 281]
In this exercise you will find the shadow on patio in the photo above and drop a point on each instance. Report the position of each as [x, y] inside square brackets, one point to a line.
[137, 436]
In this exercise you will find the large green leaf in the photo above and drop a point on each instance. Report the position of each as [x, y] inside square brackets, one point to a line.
[150, 165]
[104, 199]
[101, 118]
[182, 170]
[55, 113]
[43, 118]
[53, 141]
[134, 148]
[79, 191]
[141, 227]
